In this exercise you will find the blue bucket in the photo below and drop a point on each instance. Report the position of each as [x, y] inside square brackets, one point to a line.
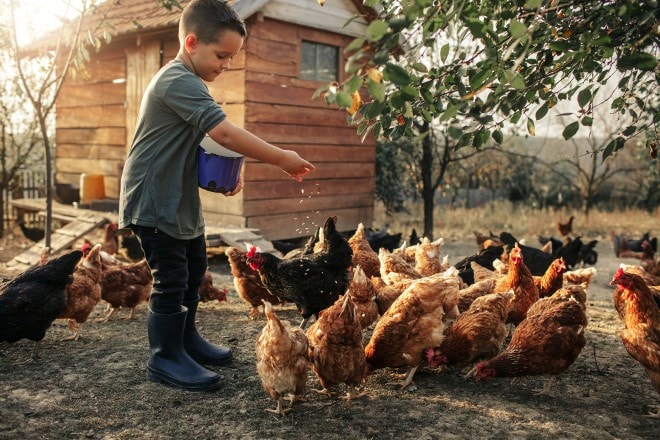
[218, 168]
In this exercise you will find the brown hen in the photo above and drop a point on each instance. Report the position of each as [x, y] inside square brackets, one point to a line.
[124, 284]
[520, 279]
[363, 254]
[282, 361]
[336, 347]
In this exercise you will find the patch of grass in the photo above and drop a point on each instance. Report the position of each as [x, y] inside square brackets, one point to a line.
[521, 221]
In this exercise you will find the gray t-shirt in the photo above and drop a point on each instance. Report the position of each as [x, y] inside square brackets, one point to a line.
[159, 182]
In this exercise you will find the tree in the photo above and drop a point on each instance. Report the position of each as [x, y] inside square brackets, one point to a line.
[62, 54]
[525, 57]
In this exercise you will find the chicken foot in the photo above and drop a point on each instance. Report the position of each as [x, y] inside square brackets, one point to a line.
[353, 394]
[407, 378]
[279, 410]
[75, 328]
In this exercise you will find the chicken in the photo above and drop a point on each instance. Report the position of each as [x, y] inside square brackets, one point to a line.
[31, 233]
[363, 298]
[282, 359]
[412, 324]
[130, 248]
[570, 251]
[208, 292]
[641, 319]
[579, 276]
[521, 281]
[336, 347]
[484, 258]
[386, 295]
[247, 282]
[363, 255]
[648, 260]
[30, 302]
[552, 279]
[547, 342]
[477, 334]
[484, 241]
[84, 292]
[110, 242]
[312, 282]
[621, 243]
[482, 273]
[467, 295]
[577, 292]
[395, 268]
[565, 228]
[124, 284]
[427, 257]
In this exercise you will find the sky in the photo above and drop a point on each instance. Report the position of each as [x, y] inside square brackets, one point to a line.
[36, 17]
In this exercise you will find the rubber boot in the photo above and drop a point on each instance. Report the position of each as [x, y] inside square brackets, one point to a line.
[169, 363]
[199, 348]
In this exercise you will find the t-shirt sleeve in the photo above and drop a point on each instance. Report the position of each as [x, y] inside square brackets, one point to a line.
[192, 101]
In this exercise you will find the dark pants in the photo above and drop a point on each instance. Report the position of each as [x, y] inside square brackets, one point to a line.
[178, 268]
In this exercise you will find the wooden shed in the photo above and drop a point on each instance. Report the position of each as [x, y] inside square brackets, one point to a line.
[293, 47]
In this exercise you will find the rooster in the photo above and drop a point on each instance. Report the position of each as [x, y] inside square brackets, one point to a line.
[336, 347]
[313, 282]
[282, 362]
[636, 306]
[30, 302]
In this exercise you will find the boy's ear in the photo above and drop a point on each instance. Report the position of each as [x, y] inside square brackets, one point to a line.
[190, 41]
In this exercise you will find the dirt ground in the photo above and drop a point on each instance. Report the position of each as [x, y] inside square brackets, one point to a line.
[95, 388]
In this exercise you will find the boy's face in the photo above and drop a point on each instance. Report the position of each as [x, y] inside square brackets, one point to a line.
[210, 60]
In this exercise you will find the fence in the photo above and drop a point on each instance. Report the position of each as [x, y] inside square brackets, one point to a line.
[29, 185]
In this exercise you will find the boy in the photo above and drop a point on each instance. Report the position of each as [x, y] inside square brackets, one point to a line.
[159, 197]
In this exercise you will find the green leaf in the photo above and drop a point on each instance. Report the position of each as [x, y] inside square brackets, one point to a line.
[455, 132]
[587, 121]
[410, 92]
[637, 60]
[354, 84]
[498, 136]
[476, 27]
[517, 29]
[584, 97]
[377, 30]
[570, 130]
[344, 99]
[444, 52]
[420, 67]
[514, 79]
[396, 74]
[558, 45]
[377, 90]
[532, 4]
[450, 113]
[355, 44]
[542, 111]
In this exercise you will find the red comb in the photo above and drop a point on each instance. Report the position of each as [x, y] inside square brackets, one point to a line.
[252, 252]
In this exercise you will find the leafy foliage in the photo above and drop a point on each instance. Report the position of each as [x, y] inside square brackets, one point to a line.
[501, 62]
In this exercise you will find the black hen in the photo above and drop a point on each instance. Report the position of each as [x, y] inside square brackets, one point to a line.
[485, 258]
[31, 302]
[570, 252]
[536, 260]
[32, 233]
[312, 282]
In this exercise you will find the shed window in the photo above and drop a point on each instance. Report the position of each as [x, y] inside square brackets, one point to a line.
[319, 62]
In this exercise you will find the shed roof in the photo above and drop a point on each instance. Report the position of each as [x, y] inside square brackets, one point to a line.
[127, 17]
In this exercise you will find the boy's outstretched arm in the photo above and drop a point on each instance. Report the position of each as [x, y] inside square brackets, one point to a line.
[247, 144]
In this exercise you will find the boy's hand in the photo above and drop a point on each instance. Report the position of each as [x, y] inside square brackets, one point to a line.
[238, 188]
[295, 166]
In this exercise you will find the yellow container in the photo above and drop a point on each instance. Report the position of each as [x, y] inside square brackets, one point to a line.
[92, 187]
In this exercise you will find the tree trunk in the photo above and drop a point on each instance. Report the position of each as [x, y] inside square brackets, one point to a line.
[427, 183]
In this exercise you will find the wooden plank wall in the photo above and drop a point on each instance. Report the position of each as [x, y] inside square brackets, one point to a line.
[91, 121]
[279, 109]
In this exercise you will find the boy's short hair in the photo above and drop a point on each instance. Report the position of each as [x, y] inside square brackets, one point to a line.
[208, 18]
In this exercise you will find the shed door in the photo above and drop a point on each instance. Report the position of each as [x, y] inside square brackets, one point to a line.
[142, 63]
